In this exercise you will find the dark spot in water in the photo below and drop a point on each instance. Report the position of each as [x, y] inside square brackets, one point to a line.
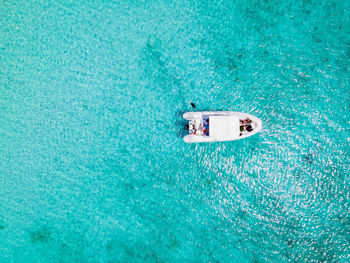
[109, 246]
[40, 236]
[231, 64]
[316, 38]
[2, 224]
[290, 243]
[129, 186]
[308, 158]
[153, 49]
[242, 213]
[174, 242]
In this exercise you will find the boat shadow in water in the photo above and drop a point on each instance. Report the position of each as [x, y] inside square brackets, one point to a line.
[180, 124]
[179, 113]
[180, 127]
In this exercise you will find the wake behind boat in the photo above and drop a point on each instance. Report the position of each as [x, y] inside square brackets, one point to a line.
[215, 126]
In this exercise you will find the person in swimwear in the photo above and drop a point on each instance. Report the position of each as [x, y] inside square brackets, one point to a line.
[206, 131]
[245, 125]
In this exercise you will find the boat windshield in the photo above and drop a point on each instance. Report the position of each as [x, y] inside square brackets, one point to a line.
[206, 126]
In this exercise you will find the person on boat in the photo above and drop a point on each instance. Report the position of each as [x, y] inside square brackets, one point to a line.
[246, 121]
[246, 125]
[206, 131]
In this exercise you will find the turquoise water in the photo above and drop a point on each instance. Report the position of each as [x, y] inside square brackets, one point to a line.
[92, 163]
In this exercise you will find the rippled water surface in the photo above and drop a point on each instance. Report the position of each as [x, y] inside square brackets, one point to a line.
[92, 163]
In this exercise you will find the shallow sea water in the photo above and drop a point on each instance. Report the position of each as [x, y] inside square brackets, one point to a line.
[92, 163]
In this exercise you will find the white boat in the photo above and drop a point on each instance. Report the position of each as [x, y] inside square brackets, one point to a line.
[216, 126]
